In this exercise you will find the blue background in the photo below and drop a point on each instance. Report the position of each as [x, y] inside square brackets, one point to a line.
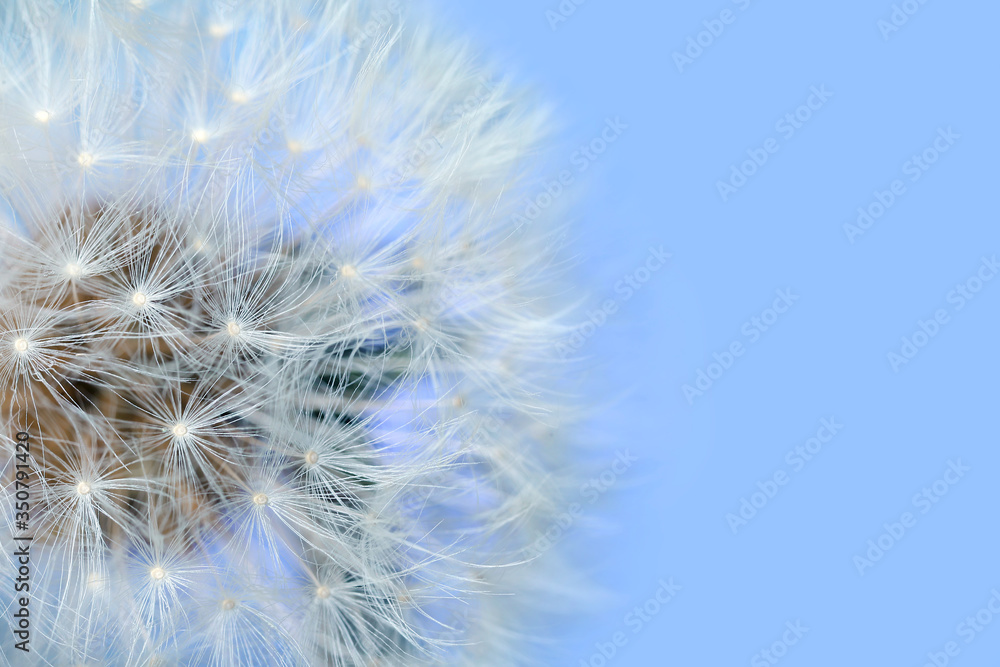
[826, 357]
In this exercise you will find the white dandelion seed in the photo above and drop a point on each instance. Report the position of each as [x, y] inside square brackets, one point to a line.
[238, 96]
[280, 335]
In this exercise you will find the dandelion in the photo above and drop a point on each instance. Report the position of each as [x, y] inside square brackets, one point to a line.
[283, 383]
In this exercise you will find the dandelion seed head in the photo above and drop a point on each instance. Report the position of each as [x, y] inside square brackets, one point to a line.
[211, 337]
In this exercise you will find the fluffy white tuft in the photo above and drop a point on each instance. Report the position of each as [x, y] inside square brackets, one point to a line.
[281, 345]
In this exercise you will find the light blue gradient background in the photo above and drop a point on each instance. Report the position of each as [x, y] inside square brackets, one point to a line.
[825, 357]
